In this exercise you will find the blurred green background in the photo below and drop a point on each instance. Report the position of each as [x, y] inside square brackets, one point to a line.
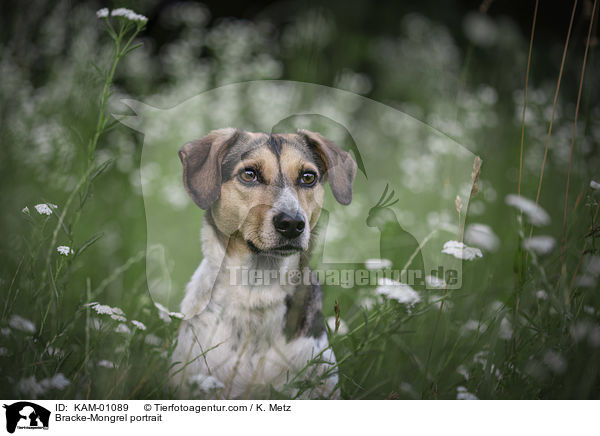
[458, 67]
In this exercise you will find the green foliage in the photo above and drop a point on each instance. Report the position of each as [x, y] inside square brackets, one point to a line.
[525, 323]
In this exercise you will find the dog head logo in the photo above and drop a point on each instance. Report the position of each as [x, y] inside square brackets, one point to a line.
[26, 415]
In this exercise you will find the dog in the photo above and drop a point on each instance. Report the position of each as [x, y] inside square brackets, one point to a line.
[263, 195]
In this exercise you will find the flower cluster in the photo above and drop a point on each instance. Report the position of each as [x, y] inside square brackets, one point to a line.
[102, 309]
[461, 251]
[342, 328]
[434, 282]
[377, 264]
[463, 394]
[165, 315]
[138, 324]
[32, 388]
[534, 212]
[539, 244]
[43, 208]
[121, 12]
[20, 323]
[482, 236]
[64, 250]
[206, 383]
[400, 292]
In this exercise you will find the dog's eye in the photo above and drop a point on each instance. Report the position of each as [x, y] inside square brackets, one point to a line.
[308, 178]
[248, 175]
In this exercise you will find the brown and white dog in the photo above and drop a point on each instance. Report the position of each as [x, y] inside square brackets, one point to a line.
[262, 195]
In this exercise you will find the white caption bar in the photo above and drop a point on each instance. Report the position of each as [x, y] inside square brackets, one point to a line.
[150, 417]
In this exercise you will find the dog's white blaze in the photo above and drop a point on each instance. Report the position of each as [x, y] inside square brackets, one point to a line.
[287, 202]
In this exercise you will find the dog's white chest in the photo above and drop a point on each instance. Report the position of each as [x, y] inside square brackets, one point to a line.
[237, 336]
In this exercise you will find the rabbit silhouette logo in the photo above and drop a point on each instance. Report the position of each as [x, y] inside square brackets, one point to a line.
[26, 415]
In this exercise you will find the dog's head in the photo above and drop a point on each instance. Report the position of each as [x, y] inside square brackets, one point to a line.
[264, 191]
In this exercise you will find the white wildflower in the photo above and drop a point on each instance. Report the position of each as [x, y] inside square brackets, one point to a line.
[58, 381]
[163, 312]
[367, 303]
[594, 336]
[138, 324]
[106, 364]
[165, 315]
[496, 306]
[129, 14]
[43, 209]
[400, 292]
[377, 264]
[461, 251]
[342, 329]
[152, 340]
[114, 312]
[480, 358]
[539, 244]
[30, 388]
[206, 383]
[480, 29]
[3, 351]
[100, 309]
[463, 394]
[594, 185]
[64, 250]
[55, 352]
[25, 210]
[589, 310]
[437, 300]
[122, 328]
[462, 370]
[5, 331]
[434, 282]
[505, 331]
[555, 361]
[579, 330]
[482, 236]
[585, 281]
[592, 265]
[102, 13]
[541, 295]
[474, 326]
[408, 389]
[534, 212]
[20, 323]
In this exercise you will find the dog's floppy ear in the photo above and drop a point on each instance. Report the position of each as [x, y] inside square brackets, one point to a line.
[341, 168]
[201, 161]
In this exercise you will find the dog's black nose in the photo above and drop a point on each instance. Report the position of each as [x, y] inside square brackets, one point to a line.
[289, 226]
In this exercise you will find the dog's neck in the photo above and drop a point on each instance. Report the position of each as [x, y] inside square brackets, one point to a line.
[237, 268]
